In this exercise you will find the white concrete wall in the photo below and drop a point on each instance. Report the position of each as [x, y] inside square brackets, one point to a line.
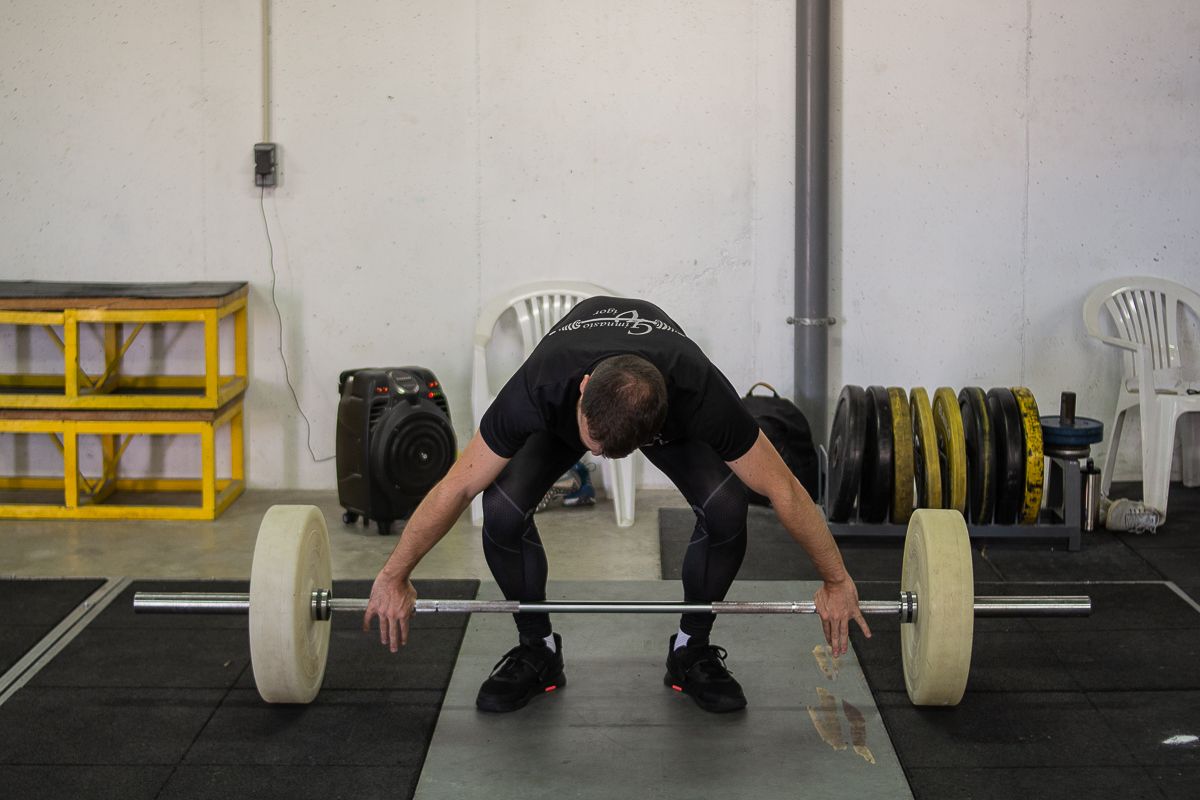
[993, 160]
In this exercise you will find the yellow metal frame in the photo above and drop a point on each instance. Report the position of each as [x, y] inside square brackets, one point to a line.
[74, 388]
[85, 498]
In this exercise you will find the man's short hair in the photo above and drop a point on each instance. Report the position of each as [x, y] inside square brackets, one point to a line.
[625, 404]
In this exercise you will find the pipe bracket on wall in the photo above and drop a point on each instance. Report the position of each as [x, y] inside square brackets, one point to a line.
[810, 322]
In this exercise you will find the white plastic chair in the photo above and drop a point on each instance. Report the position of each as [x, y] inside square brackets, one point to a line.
[538, 307]
[1144, 313]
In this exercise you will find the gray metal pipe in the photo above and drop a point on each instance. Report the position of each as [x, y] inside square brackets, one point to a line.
[811, 318]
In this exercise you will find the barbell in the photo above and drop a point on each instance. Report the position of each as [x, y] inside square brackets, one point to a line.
[290, 603]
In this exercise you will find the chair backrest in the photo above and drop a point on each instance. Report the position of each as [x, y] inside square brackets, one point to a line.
[1144, 313]
[538, 306]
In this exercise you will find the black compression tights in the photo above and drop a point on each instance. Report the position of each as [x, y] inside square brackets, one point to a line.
[518, 562]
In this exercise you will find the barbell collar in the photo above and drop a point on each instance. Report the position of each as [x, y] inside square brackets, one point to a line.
[906, 606]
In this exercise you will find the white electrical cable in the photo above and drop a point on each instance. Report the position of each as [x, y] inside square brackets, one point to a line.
[287, 373]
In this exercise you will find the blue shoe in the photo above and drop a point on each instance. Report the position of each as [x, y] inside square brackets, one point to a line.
[585, 495]
[574, 488]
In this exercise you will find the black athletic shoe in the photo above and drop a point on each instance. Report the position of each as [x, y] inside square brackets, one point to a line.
[699, 670]
[529, 669]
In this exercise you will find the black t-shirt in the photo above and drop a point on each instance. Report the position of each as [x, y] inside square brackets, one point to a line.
[542, 395]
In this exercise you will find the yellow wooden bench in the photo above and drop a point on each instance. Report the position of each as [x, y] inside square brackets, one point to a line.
[123, 311]
[102, 400]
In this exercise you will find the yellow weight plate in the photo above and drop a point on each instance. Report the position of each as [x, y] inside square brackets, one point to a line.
[926, 470]
[902, 456]
[1035, 462]
[952, 449]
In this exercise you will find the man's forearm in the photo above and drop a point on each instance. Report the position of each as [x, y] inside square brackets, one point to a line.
[432, 520]
[803, 521]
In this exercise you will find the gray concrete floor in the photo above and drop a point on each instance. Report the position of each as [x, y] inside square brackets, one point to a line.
[581, 543]
[811, 729]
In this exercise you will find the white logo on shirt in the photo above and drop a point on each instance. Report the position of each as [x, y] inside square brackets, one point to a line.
[637, 326]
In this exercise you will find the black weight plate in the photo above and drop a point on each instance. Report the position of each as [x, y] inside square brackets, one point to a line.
[981, 455]
[1085, 430]
[1008, 436]
[875, 492]
[846, 441]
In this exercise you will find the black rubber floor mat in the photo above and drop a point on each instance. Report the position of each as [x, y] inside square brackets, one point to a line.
[164, 706]
[1131, 660]
[1003, 730]
[1008, 783]
[87, 782]
[159, 658]
[339, 727]
[1102, 557]
[1065, 699]
[291, 782]
[1159, 728]
[33, 607]
[1182, 564]
[127, 727]
[1176, 783]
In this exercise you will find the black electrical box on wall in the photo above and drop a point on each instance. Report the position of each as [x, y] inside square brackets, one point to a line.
[264, 163]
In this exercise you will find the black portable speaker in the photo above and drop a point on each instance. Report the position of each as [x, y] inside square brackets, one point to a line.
[394, 442]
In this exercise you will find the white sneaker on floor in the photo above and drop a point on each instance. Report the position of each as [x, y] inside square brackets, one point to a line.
[1130, 515]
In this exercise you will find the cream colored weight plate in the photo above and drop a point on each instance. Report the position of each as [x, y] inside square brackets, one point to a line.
[936, 647]
[287, 646]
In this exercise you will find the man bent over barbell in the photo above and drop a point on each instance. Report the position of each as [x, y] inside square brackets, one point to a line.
[613, 376]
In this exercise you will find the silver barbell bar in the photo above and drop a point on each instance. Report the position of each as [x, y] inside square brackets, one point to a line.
[324, 604]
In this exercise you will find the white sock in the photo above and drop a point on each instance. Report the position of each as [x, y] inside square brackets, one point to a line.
[681, 639]
[550, 643]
